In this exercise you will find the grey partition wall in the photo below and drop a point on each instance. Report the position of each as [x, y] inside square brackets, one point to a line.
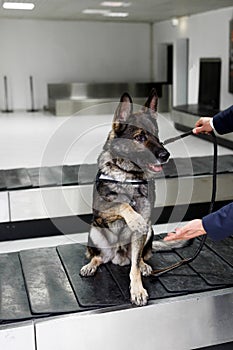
[70, 98]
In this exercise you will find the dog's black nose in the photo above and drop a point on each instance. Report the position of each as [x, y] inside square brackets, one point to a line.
[164, 155]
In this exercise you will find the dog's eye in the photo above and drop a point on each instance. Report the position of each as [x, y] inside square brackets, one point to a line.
[140, 138]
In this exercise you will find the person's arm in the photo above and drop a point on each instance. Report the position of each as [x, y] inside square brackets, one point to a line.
[217, 226]
[221, 122]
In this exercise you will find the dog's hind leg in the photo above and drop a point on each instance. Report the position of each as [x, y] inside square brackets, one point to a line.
[91, 267]
[100, 249]
[94, 253]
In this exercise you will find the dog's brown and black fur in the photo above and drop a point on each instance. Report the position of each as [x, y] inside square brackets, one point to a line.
[124, 194]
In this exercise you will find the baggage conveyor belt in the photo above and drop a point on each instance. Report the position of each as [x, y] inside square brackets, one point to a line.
[30, 197]
[45, 282]
[82, 174]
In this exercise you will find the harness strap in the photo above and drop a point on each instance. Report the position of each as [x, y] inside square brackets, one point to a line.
[102, 176]
[159, 272]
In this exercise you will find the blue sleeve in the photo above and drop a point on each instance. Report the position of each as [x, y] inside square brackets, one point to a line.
[223, 121]
[219, 224]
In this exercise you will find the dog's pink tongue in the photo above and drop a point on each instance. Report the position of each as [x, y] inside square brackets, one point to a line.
[155, 168]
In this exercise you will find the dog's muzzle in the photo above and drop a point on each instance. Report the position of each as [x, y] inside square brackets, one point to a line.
[161, 159]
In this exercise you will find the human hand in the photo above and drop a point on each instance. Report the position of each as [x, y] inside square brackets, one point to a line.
[203, 126]
[192, 229]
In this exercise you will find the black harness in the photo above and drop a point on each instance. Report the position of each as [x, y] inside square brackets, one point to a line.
[102, 177]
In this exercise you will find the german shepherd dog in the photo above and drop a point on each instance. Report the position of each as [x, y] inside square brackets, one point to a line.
[124, 194]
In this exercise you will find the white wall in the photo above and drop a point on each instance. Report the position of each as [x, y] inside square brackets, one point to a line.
[62, 51]
[208, 35]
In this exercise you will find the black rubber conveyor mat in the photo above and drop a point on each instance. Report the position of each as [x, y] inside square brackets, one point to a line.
[225, 164]
[2, 180]
[202, 165]
[98, 290]
[79, 174]
[57, 174]
[83, 174]
[48, 287]
[155, 289]
[17, 179]
[197, 166]
[222, 249]
[87, 173]
[46, 281]
[41, 177]
[70, 175]
[183, 279]
[177, 167]
[208, 265]
[13, 296]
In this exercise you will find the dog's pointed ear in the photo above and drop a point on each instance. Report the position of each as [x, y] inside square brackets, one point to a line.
[123, 111]
[152, 102]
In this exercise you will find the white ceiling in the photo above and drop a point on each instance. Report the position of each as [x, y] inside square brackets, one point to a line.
[140, 10]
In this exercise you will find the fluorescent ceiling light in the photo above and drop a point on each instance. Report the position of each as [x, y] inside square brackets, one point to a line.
[18, 5]
[95, 12]
[116, 14]
[115, 3]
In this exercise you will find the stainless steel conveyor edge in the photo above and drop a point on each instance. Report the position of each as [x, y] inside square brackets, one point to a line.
[178, 323]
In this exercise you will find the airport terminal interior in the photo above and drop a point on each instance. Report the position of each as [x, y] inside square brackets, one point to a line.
[64, 66]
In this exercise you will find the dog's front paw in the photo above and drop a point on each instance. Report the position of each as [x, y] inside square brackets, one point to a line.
[88, 270]
[139, 296]
[145, 269]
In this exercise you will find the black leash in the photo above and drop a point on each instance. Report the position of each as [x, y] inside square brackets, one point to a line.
[160, 272]
[177, 138]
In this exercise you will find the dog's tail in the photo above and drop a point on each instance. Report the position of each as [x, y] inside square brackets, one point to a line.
[161, 245]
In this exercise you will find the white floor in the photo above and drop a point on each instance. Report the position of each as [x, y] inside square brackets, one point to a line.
[34, 140]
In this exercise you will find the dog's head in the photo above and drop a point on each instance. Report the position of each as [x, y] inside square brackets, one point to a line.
[134, 137]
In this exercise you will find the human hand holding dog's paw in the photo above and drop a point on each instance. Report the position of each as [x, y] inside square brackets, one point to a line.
[191, 230]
